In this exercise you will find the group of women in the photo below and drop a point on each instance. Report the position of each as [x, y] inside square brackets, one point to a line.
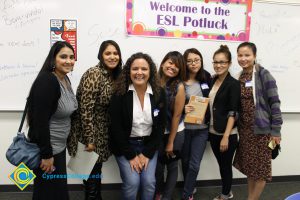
[137, 114]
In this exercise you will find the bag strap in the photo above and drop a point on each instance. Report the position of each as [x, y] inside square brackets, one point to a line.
[23, 117]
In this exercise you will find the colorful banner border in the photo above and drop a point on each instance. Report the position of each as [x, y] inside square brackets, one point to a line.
[139, 29]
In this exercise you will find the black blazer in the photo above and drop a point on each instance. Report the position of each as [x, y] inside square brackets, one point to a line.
[121, 109]
[226, 103]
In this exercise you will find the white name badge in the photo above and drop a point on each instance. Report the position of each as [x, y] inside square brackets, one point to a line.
[248, 84]
[204, 86]
[155, 113]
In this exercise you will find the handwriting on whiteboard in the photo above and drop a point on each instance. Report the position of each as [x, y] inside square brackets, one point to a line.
[18, 13]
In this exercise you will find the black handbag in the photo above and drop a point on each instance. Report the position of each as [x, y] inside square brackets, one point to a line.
[21, 150]
[275, 151]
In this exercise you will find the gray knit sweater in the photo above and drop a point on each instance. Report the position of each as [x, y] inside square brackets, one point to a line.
[268, 119]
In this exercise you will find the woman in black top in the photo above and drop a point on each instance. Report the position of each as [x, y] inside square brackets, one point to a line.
[138, 115]
[224, 105]
[51, 103]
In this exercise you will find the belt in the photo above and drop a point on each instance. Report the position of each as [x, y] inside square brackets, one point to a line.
[139, 138]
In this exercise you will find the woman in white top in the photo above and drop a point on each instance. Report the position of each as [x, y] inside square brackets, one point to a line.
[138, 112]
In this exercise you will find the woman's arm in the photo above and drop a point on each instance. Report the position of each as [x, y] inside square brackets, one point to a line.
[89, 91]
[274, 104]
[224, 141]
[43, 100]
[45, 95]
[234, 106]
[178, 108]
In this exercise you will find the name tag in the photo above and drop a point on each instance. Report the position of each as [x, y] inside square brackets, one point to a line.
[248, 84]
[155, 112]
[204, 86]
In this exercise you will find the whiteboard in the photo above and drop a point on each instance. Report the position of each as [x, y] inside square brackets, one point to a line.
[25, 42]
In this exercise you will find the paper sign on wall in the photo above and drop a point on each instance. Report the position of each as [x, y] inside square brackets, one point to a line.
[202, 19]
[64, 30]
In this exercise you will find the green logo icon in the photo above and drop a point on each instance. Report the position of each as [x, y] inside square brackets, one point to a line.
[22, 176]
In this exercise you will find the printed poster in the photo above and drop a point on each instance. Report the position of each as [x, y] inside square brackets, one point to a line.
[64, 30]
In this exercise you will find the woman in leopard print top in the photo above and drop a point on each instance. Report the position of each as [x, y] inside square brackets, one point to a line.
[90, 122]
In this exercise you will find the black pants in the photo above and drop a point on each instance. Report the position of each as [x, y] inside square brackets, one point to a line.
[55, 188]
[93, 184]
[224, 159]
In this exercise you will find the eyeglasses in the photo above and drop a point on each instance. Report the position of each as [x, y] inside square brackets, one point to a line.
[220, 62]
[196, 61]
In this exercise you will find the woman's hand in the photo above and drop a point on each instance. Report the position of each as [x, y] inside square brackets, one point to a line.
[188, 108]
[276, 139]
[90, 147]
[47, 165]
[135, 164]
[169, 150]
[144, 161]
[224, 144]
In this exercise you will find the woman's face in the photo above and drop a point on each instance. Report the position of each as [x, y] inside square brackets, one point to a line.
[139, 72]
[193, 63]
[64, 61]
[246, 58]
[221, 64]
[111, 57]
[170, 69]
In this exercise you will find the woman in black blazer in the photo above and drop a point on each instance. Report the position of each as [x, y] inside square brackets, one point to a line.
[138, 115]
[224, 106]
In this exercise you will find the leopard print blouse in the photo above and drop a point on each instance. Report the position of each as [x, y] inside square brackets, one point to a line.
[90, 122]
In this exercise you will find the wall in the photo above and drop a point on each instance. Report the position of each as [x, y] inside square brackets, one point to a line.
[25, 41]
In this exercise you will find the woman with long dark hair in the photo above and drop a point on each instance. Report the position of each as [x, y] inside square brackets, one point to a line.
[51, 102]
[197, 83]
[90, 122]
[172, 73]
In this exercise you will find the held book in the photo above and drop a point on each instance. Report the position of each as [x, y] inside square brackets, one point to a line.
[200, 106]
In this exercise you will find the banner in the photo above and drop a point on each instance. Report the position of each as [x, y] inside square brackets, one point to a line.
[194, 19]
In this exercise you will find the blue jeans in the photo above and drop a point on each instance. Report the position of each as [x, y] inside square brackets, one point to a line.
[192, 153]
[133, 181]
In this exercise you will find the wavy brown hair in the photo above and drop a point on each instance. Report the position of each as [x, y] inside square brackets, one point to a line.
[124, 80]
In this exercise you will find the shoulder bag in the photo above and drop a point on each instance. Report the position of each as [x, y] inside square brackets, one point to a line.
[21, 150]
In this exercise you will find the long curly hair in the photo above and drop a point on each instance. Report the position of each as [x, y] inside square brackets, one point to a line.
[124, 80]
